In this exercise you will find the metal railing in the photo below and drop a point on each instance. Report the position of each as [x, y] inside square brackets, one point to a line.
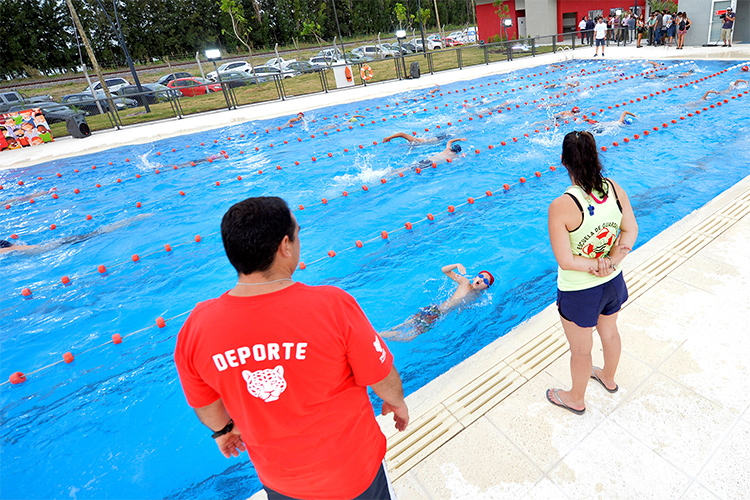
[385, 69]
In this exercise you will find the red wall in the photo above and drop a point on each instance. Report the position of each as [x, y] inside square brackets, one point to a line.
[489, 24]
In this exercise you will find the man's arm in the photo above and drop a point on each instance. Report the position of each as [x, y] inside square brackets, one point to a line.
[216, 417]
[402, 135]
[624, 115]
[450, 143]
[391, 392]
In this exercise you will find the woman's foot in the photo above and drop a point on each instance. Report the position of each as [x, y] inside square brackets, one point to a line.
[560, 398]
[609, 385]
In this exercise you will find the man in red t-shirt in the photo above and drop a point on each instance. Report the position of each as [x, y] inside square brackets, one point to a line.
[283, 368]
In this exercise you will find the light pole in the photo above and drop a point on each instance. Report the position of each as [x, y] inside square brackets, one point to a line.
[401, 35]
[214, 55]
[338, 28]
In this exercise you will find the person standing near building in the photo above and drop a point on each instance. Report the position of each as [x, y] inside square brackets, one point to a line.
[651, 24]
[600, 32]
[582, 29]
[281, 369]
[592, 228]
[726, 28]
[658, 27]
[631, 26]
[590, 24]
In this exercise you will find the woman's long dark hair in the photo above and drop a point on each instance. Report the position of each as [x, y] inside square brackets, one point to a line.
[580, 157]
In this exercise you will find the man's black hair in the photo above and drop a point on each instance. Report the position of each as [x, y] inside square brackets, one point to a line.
[252, 231]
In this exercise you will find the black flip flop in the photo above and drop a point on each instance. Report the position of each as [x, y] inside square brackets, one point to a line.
[593, 375]
[560, 402]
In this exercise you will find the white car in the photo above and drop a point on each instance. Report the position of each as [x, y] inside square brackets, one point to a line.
[230, 67]
[437, 43]
[323, 61]
[335, 53]
[280, 62]
[431, 44]
[268, 70]
[374, 51]
[114, 84]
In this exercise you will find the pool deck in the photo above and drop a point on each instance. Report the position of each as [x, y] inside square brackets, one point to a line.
[679, 427]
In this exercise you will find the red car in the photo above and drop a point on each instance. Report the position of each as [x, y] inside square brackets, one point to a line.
[452, 42]
[194, 86]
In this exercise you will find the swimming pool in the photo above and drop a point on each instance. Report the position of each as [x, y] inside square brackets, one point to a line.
[114, 423]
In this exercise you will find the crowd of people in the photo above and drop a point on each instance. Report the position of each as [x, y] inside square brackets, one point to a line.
[662, 28]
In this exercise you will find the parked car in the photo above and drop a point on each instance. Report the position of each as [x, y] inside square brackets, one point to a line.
[395, 48]
[334, 53]
[53, 112]
[114, 84]
[236, 66]
[374, 51]
[414, 47]
[434, 42]
[300, 67]
[164, 80]
[84, 101]
[194, 86]
[153, 93]
[355, 58]
[11, 98]
[323, 61]
[268, 71]
[280, 62]
[453, 42]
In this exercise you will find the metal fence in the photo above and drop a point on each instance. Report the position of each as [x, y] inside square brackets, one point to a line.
[253, 90]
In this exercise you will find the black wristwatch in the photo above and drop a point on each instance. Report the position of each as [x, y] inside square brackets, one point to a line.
[226, 430]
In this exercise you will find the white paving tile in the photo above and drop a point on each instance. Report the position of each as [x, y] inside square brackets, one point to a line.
[674, 421]
[719, 278]
[610, 464]
[649, 336]
[698, 492]
[544, 433]
[545, 490]
[677, 300]
[407, 487]
[728, 472]
[732, 245]
[478, 464]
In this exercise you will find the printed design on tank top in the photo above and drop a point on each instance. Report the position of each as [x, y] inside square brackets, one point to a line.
[379, 348]
[265, 384]
[599, 241]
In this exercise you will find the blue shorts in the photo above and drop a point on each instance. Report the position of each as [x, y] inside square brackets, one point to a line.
[600, 42]
[583, 307]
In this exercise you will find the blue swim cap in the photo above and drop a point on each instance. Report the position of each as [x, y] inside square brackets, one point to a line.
[628, 120]
[5, 244]
[456, 148]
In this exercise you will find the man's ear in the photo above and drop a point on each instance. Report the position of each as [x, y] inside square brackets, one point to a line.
[285, 247]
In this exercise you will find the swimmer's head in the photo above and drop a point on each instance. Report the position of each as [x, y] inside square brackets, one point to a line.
[575, 109]
[628, 120]
[482, 281]
[456, 148]
[5, 244]
[300, 114]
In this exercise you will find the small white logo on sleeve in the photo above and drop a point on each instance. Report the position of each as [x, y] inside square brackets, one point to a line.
[379, 348]
[265, 384]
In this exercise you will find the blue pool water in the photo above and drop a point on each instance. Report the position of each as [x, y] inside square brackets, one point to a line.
[114, 422]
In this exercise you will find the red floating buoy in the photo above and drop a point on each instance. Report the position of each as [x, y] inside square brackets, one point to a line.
[138, 204]
[26, 292]
[302, 265]
[384, 235]
[17, 378]
[408, 225]
[470, 200]
[506, 187]
[160, 322]
[430, 216]
[101, 269]
[364, 188]
[383, 181]
[345, 193]
[135, 257]
[168, 247]
[331, 253]
[358, 243]
[522, 179]
[116, 338]
[451, 208]
[65, 280]
[538, 173]
[68, 357]
[488, 192]
[52, 227]
[197, 238]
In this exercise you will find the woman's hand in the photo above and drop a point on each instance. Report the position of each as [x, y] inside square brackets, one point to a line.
[605, 267]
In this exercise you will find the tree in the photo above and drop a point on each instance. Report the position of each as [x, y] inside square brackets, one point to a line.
[240, 26]
[401, 16]
[503, 12]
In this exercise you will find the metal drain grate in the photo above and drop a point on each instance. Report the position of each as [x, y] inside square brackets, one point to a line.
[714, 226]
[661, 265]
[690, 243]
[483, 393]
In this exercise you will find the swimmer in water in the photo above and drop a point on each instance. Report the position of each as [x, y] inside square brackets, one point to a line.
[28, 197]
[356, 118]
[466, 291]
[296, 119]
[452, 150]
[414, 139]
[732, 86]
[568, 85]
[7, 246]
[626, 118]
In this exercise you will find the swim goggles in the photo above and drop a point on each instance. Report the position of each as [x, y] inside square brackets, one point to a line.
[486, 281]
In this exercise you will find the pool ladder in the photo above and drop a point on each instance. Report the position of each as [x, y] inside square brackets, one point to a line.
[565, 55]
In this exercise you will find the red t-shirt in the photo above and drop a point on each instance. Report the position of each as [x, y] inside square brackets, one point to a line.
[292, 368]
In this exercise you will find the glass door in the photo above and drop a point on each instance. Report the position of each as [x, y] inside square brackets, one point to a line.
[718, 8]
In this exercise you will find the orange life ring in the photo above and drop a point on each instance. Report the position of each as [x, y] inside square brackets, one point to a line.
[366, 73]
[348, 73]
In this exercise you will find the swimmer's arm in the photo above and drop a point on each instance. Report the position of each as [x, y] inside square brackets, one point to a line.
[450, 143]
[215, 417]
[401, 135]
[624, 115]
[17, 248]
[705, 96]
[449, 271]
[358, 116]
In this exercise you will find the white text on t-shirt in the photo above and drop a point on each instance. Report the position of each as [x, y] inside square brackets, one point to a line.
[259, 352]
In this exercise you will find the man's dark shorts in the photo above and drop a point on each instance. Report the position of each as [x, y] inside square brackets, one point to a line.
[600, 42]
[380, 489]
[583, 307]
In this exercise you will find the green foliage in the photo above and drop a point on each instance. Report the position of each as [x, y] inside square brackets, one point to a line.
[400, 12]
[503, 8]
[663, 5]
[426, 17]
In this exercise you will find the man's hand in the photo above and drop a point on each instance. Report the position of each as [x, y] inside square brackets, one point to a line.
[461, 268]
[400, 415]
[231, 444]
